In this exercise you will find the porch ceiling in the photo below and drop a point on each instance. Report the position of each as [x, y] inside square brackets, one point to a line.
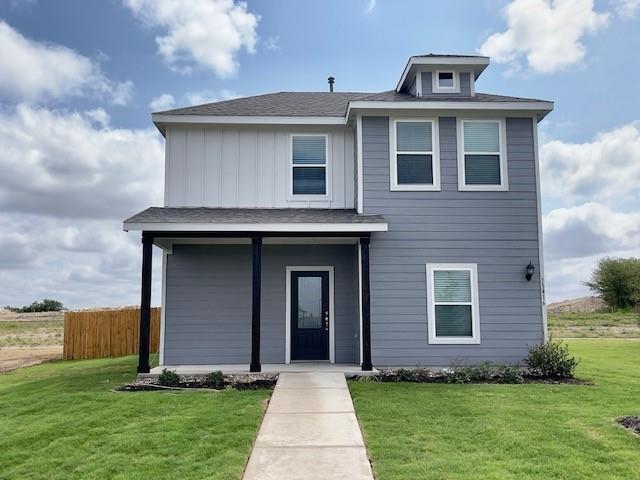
[205, 219]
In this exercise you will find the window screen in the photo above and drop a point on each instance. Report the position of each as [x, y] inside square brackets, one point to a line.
[453, 301]
[309, 164]
[414, 153]
[482, 153]
[445, 79]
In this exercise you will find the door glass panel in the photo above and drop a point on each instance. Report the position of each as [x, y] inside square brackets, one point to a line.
[309, 302]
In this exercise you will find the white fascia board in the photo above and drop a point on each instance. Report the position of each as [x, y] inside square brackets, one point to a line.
[480, 62]
[247, 119]
[257, 227]
[541, 107]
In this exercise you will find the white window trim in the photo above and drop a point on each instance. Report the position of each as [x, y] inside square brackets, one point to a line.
[435, 84]
[435, 157]
[504, 171]
[287, 329]
[327, 166]
[431, 305]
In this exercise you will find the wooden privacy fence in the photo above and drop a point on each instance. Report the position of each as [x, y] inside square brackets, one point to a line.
[107, 333]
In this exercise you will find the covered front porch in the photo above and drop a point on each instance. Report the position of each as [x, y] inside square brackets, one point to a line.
[285, 287]
[297, 367]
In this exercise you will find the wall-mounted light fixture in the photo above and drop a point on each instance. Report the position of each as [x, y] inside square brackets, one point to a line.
[530, 270]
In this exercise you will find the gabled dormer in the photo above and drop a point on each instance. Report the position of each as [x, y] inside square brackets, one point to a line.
[442, 75]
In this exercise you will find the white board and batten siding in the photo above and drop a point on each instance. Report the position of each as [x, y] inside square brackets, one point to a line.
[249, 166]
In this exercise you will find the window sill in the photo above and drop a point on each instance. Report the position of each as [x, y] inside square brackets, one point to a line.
[483, 188]
[415, 188]
[454, 341]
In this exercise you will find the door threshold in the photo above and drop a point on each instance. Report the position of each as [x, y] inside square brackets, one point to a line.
[310, 361]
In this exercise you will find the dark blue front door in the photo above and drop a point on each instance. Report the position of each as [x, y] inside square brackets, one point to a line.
[309, 315]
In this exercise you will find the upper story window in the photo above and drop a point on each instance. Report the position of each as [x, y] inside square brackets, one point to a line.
[415, 159]
[452, 297]
[445, 82]
[309, 165]
[482, 160]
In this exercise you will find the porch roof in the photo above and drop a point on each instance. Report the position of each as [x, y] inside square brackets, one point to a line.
[206, 219]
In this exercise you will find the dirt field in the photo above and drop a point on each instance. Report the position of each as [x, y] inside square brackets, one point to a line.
[29, 338]
[16, 357]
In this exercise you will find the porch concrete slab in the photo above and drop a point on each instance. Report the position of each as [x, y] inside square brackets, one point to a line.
[312, 380]
[310, 400]
[310, 430]
[299, 463]
[239, 369]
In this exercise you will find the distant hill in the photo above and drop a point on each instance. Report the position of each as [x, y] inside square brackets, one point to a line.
[577, 305]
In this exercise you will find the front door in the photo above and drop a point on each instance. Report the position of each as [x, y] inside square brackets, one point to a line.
[309, 315]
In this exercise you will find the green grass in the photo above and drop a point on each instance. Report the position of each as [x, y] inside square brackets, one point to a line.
[621, 324]
[61, 420]
[528, 431]
[31, 333]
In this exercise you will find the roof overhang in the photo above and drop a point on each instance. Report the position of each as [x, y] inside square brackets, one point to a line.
[161, 121]
[258, 227]
[476, 63]
[539, 108]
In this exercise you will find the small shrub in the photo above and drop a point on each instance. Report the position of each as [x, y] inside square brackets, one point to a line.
[214, 380]
[168, 378]
[481, 373]
[551, 360]
[508, 374]
[405, 375]
[424, 375]
[459, 375]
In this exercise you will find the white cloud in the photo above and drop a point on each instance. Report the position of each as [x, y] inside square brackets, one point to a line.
[162, 102]
[627, 8]
[272, 43]
[371, 4]
[35, 71]
[589, 229]
[60, 165]
[547, 32]
[167, 101]
[208, 96]
[82, 263]
[576, 238]
[606, 168]
[209, 33]
[99, 116]
[69, 180]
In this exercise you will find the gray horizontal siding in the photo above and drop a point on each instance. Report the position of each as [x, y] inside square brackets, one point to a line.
[496, 230]
[208, 302]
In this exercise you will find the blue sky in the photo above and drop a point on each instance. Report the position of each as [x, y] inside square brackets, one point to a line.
[94, 70]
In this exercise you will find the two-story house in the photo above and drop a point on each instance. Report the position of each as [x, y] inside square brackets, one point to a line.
[399, 228]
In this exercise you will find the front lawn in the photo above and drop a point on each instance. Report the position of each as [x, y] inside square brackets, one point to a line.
[61, 420]
[528, 431]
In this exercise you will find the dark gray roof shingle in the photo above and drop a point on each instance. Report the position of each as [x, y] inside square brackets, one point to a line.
[319, 104]
[250, 215]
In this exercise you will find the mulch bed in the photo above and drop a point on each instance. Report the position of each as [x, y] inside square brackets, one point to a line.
[421, 375]
[190, 382]
[631, 422]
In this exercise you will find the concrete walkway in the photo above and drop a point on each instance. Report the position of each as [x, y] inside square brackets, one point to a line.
[310, 431]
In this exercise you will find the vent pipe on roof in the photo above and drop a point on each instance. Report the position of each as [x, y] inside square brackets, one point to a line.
[332, 80]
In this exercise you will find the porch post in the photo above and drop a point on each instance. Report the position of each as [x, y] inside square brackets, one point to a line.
[256, 242]
[145, 304]
[366, 304]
